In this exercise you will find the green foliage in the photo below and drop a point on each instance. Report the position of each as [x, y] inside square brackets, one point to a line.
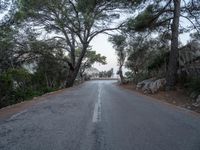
[75, 23]
[147, 54]
[110, 73]
[18, 50]
[91, 57]
[18, 85]
[13, 85]
[156, 15]
[6, 84]
[143, 21]
[163, 16]
[51, 69]
[129, 76]
[6, 47]
[140, 77]
[106, 74]
[193, 86]
[118, 41]
[119, 44]
[158, 61]
[20, 76]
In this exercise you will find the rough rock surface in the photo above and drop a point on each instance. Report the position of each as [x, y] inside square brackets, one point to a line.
[189, 59]
[151, 85]
[189, 53]
[197, 102]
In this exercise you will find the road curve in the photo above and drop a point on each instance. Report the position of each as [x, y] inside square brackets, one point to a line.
[98, 115]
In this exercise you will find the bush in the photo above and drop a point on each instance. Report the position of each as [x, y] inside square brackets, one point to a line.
[18, 85]
[6, 88]
[193, 86]
[14, 86]
[140, 77]
[158, 61]
[47, 89]
[6, 84]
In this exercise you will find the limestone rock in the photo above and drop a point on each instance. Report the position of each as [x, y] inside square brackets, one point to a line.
[197, 103]
[151, 85]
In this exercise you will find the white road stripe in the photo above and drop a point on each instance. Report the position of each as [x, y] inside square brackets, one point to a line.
[97, 107]
[16, 115]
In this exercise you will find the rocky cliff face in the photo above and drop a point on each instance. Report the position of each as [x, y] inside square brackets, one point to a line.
[189, 59]
[189, 53]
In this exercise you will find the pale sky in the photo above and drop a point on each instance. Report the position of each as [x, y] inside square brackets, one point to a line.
[101, 45]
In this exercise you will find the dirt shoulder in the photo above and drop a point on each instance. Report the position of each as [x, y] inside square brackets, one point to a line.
[178, 97]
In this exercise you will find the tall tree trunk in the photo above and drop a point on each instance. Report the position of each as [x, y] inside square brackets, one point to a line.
[121, 75]
[71, 77]
[47, 81]
[74, 71]
[171, 77]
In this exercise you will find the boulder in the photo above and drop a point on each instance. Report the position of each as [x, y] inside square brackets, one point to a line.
[197, 102]
[144, 82]
[146, 88]
[194, 95]
[151, 85]
[157, 85]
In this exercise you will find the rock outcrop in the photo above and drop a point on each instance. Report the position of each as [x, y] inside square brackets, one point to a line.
[189, 60]
[197, 102]
[152, 85]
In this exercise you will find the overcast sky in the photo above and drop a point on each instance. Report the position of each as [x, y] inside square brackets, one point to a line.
[102, 46]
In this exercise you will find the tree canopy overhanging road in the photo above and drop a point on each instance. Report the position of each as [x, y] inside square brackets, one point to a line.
[46, 46]
[99, 115]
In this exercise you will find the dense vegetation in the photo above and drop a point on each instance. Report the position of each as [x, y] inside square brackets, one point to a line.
[151, 44]
[106, 74]
[45, 44]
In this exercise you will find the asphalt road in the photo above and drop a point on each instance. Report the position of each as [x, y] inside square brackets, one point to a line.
[99, 115]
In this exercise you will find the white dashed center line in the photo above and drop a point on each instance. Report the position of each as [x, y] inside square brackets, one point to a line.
[97, 107]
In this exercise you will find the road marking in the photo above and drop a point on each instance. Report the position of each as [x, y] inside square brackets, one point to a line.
[16, 115]
[97, 107]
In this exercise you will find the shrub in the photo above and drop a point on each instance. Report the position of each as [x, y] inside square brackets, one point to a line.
[20, 77]
[15, 86]
[18, 85]
[140, 77]
[6, 88]
[193, 86]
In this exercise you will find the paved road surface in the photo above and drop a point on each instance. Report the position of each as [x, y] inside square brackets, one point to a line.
[99, 115]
